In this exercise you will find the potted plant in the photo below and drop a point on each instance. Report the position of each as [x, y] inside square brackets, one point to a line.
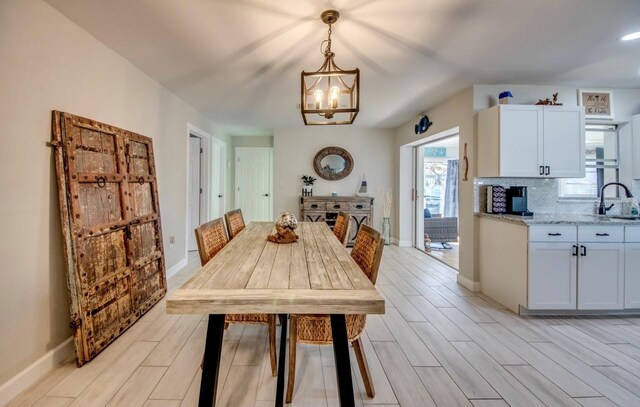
[308, 181]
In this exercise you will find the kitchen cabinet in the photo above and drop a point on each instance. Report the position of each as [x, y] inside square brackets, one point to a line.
[632, 267]
[531, 141]
[552, 276]
[601, 276]
[559, 266]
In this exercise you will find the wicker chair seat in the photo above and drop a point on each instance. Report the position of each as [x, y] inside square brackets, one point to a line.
[316, 329]
[247, 318]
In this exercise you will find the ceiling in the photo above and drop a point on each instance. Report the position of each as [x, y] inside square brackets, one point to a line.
[239, 61]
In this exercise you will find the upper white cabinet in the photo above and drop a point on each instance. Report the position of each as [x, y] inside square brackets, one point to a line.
[531, 141]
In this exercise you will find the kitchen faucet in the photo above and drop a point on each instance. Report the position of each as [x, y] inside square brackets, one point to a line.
[602, 208]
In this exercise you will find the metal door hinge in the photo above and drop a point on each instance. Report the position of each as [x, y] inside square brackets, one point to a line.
[200, 190]
[201, 150]
[76, 322]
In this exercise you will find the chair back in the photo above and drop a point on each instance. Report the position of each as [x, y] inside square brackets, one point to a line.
[341, 228]
[235, 222]
[367, 251]
[211, 238]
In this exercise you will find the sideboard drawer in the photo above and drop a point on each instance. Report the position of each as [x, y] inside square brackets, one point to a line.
[314, 206]
[337, 206]
[359, 206]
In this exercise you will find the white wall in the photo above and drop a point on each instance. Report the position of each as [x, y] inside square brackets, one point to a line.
[50, 63]
[454, 112]
[295, 148]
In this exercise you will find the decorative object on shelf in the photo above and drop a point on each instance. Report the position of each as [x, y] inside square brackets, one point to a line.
[598, 104]
[333, 163]
[504, 97]
[386, 214]
[550, 102]
[285, 225]
[423, 125]
[334, 194]
[362, 190]
[466, 164]
[330, 95]
[308, 182]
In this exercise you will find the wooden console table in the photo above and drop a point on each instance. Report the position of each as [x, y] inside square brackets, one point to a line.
[326, 208]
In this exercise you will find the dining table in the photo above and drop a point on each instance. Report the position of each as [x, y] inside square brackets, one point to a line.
[313, 275]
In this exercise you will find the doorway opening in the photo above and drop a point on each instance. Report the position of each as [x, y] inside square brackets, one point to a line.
[254, 183]
[437, 203]
[206, 176]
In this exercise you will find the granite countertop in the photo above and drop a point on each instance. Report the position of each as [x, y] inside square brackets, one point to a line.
[560, 218]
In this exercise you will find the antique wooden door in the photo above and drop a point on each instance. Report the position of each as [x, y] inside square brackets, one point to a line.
[108, 196]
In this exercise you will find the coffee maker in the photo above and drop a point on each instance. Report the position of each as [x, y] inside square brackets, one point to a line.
[517, 201]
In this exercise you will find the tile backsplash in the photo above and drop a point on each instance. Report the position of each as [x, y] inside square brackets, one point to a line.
[543, 195]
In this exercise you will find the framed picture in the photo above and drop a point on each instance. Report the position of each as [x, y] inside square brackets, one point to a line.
[598, 104]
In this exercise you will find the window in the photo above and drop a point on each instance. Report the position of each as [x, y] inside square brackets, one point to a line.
[601, 163]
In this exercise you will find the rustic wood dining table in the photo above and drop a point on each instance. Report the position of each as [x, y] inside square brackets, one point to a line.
[315, 275]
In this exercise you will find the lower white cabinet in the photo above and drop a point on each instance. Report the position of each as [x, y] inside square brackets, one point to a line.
[632, 275]
[552, 276]
[601, 276]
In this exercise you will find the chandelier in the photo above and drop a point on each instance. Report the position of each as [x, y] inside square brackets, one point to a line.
[330, 95]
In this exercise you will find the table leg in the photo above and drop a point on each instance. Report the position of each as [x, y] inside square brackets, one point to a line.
[341, 355]
[211, 362]
[281, 360]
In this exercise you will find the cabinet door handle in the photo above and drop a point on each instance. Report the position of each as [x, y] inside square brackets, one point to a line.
[359, 206]
[575, 250]
[541, 170]
[554, 234]
[547, 170]
[602, 234]
[314, 206]
[583, 250]
[336, 206]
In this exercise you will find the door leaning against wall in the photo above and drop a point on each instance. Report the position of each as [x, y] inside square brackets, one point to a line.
[253, 182]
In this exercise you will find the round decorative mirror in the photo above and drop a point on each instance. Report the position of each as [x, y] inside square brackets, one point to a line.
[333, 163]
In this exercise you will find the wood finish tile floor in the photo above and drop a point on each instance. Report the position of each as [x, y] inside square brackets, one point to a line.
[450, 257]
[438, 345]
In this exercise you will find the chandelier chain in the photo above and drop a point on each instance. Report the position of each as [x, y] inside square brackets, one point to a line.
[326, 49]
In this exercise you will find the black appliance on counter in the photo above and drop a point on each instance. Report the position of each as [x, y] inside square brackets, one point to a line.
[517, 201]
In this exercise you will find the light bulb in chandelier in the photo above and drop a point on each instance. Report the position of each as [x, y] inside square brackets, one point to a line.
[318, 95]
[334, 93]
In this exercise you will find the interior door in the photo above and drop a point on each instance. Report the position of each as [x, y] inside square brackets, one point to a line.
[195, 189]
[254, 183]
[108, 198]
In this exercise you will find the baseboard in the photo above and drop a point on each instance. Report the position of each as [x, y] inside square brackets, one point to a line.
[20, 382]
[468, 284]
[177, 267]
[405, 243]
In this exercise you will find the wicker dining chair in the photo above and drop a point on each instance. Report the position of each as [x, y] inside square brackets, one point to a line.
[316, 329]
[211, 238]
[235, 222]
[342, 227]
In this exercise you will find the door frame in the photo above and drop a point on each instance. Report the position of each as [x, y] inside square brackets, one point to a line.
[206, 178]
[235, 181]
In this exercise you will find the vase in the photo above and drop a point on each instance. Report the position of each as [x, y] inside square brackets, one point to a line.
[386, 231]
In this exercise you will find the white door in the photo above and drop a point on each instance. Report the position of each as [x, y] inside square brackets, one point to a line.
[218, 174]
[254, 183]
[632, 275]
[564, 142]
[195, 190]
[520, 141]
[601, 276]
[552, 276]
